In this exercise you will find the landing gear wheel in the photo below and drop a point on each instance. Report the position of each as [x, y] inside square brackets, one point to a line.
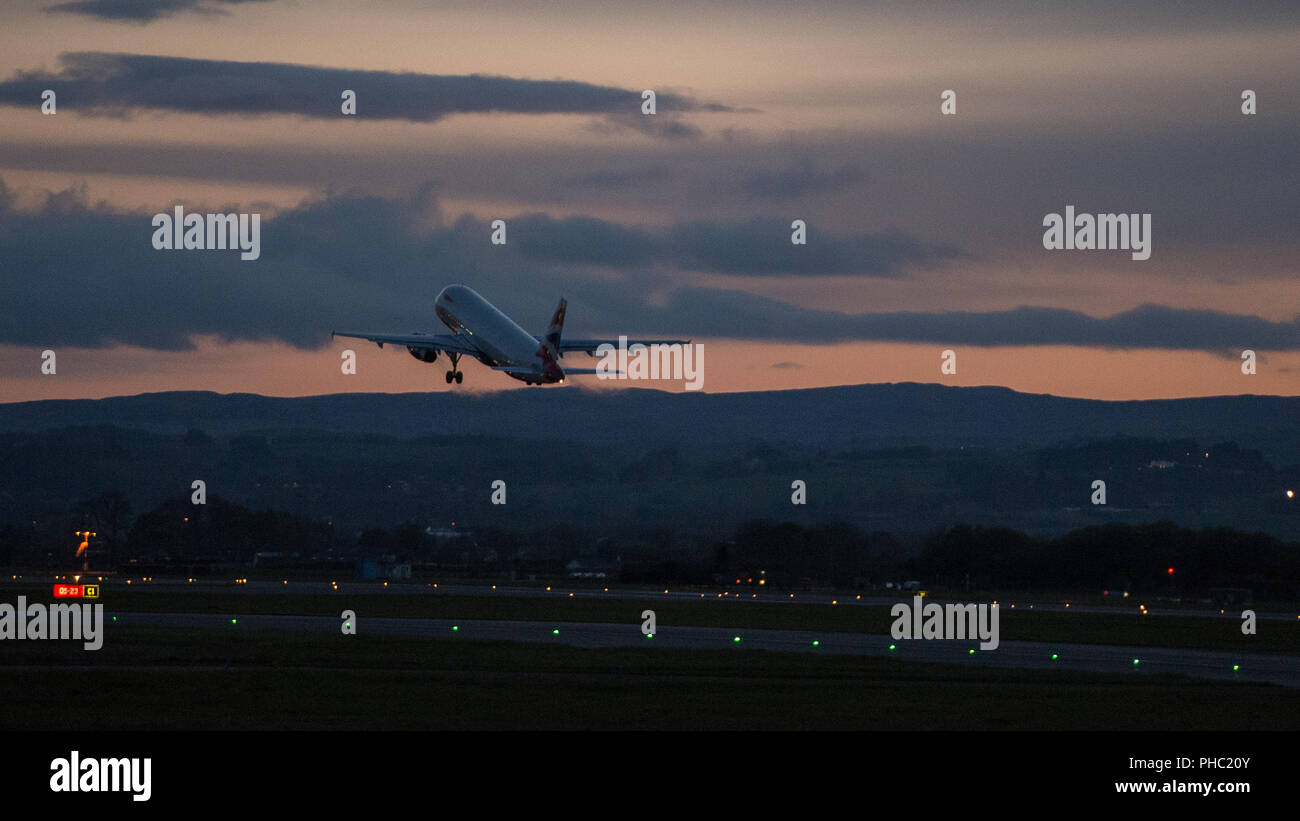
[460, 377]
[449, 377]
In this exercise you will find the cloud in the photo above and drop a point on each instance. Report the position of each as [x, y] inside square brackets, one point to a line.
[759, 247]
[619, 179]
[806, 178]
[741, 315]
[79, 274]
[120, 84]
[143, 11]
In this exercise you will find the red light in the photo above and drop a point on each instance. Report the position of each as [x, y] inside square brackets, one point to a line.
[1171, 571]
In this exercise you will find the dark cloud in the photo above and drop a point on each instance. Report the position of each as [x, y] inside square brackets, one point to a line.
[737, 314]
[78, 274]
[1045, 17]
[1211, 184]
[584, 241]
[804, 179]
[619, 179]
[102, 83]
[144, 11]
[760, 247]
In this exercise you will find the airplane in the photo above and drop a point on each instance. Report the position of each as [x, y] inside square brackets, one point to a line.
[482, 332]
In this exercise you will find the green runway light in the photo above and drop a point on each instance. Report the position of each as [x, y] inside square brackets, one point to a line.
[232, 621]
[736, 639]
[649, 635]
[891, 647]
[1053, 657]
[555, 632]
[971, 652]
[1135, 661]
[1236, 667]
[455, 627]
[816, 643]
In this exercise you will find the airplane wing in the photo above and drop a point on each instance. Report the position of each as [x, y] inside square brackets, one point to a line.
[590, 345]
[450, 343]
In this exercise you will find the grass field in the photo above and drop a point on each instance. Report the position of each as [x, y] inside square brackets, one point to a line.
[167, 678]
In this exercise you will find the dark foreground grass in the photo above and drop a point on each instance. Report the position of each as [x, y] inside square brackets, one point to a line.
[1124, 629]
[164, 678]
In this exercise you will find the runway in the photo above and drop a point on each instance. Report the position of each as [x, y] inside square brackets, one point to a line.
[1137, 661]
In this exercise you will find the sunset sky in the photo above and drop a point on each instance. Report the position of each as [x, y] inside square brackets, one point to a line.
[924, 230]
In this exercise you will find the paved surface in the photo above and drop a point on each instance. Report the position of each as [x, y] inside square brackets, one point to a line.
[1253, 667]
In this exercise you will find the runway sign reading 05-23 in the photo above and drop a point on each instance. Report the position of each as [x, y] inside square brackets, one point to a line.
[76, 591]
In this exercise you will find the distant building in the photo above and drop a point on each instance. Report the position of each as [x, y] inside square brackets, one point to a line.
[447, 533]
[391, 570]
[578, 570]
[1231, 596]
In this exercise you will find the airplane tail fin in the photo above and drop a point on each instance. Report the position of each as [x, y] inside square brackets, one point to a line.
[552, 339]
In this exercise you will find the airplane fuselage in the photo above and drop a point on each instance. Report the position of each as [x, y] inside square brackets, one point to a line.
[499, 340]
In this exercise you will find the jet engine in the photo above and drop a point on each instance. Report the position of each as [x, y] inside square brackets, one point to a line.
[422, 354]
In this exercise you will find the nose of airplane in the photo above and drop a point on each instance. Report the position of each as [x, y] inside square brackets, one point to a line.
[456, 293]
